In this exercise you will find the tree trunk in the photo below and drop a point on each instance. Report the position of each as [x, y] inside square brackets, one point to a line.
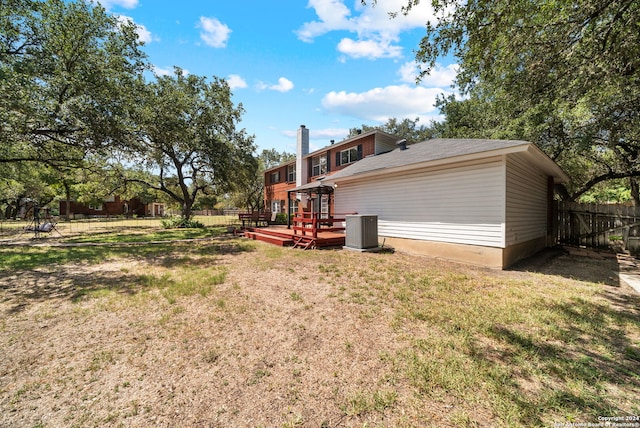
[67, 194]
[562, 191]
[635, 191]
[186, 210]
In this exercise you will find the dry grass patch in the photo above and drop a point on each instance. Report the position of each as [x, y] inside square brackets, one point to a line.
[230, 333]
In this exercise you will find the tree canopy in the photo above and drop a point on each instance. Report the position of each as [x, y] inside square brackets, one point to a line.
[187, 133]
[77, 110]
[67, 70]
[405, 128]
[563, 74]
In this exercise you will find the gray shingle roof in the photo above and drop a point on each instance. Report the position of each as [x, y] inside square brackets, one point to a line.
[314, 185]
[430, 150]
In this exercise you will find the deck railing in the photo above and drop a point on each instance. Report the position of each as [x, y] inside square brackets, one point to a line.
[313, 223]
[257, 217]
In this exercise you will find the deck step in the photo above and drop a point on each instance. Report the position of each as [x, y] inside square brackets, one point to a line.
[272, 239]
[286, 237]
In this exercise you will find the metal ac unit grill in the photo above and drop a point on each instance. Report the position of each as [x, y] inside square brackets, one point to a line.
[361, 231]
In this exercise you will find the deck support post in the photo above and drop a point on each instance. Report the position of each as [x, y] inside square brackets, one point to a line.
[289, 210]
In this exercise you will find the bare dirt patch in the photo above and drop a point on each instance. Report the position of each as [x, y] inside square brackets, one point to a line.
[291, 338]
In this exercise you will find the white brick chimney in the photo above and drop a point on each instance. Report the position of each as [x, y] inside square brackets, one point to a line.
[302, 169]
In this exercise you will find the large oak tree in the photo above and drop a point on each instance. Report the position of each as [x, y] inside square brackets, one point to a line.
[67, 76]
[188, 134]
[75, 100]
[564, 74]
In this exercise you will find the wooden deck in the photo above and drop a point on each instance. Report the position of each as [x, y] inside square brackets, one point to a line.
[280, 235]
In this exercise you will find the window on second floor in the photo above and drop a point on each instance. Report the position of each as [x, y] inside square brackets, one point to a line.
[349, 155]
[291, 173]
[319, 165]
[275, 177]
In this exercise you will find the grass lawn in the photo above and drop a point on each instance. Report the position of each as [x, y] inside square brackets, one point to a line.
[222, 331]
[15, 229]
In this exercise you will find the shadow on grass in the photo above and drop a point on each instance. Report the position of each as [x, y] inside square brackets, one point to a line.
[30, 257]
[593, 267]
[38, 273]
[571, 355]
[124, 235]
[572, 364]
[75, 286]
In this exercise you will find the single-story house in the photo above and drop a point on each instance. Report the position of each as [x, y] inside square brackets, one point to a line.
[485, 202]
[112, 206]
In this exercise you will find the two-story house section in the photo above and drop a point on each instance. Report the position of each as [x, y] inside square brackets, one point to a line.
[277, 181]
[317, 165]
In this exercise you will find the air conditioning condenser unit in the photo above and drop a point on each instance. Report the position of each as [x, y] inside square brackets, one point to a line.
[361, 231]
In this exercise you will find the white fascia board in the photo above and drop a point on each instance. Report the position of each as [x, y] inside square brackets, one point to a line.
[547, 164]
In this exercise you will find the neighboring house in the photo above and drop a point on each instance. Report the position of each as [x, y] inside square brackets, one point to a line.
[486, 202]
[318, 165]
[113, 206]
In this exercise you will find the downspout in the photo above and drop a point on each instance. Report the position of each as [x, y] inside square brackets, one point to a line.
[552, 218]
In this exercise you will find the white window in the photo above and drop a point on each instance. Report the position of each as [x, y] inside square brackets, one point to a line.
[319, 165]
[349, 155]
[294, 207]
[324, 206]
[275, 206]
[291, 173]
[275, 177]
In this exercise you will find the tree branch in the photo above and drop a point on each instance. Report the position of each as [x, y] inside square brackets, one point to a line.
[604, 177]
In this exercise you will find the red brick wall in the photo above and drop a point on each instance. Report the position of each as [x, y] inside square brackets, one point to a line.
[277, 191]
[368, 148]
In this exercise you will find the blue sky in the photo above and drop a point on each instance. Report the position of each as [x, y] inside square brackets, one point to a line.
[331, 65]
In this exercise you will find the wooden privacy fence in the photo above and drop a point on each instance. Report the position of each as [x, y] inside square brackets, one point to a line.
[598, 226]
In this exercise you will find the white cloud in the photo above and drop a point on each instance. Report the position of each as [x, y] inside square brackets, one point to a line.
[283, 85]
[328, 134]
[380, 104]
[333, 15]
[319, 137]
[143, 34]
[167, 71]
[214, 33]
[235, 81]
[320, 134]
[377, 33]
[370, 49]
[127, 4]
[440, 77]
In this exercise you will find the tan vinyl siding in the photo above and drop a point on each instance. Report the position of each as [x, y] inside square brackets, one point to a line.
[526, 204]
[385, 143]
[458, 204]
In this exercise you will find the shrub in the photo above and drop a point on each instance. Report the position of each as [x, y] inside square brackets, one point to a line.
[281, 218]
[180, 222]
